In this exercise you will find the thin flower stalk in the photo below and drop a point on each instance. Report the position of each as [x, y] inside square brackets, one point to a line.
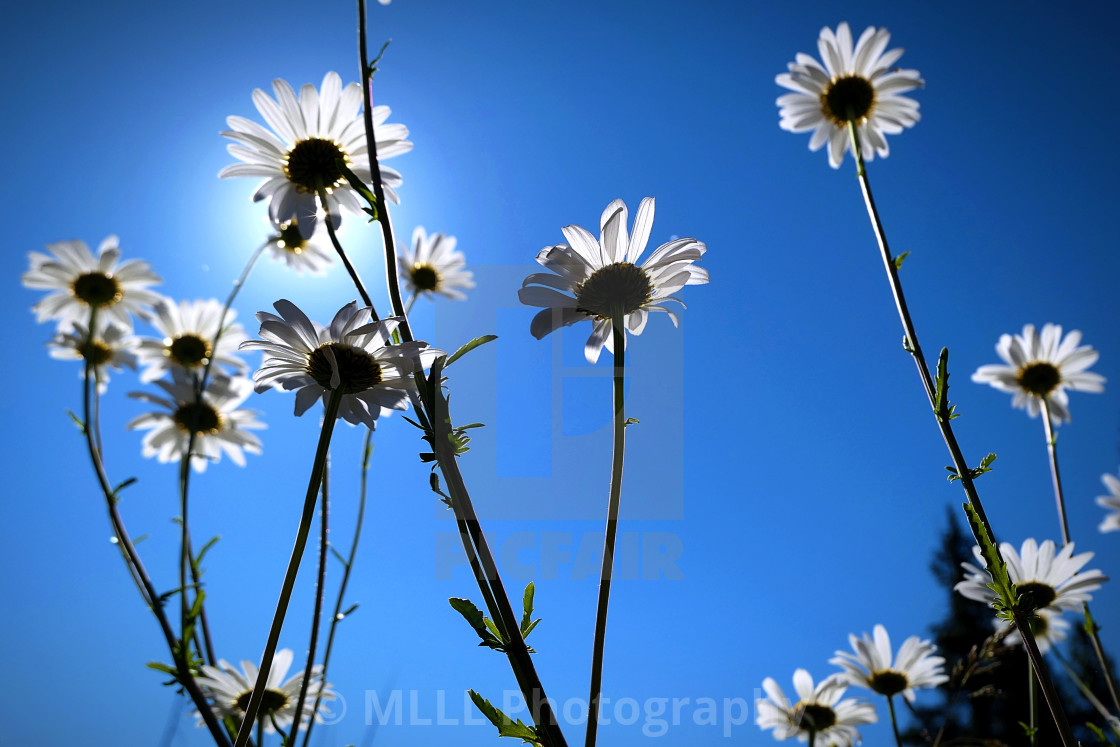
[186, 558]
[329, 417]
[894, 721]
[347, 566]
[317, 610]
[91, 429]
[617, 455]
[497, 599]
[342, 255]
[1091, 626]
[962, 469]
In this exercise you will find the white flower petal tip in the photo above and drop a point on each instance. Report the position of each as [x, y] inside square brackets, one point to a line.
[871, 665]
[1041, 367]
[353, 354]
[820, 707]
[1111, 502]
[433, 265]
[298, 156]
[597, 280]
[856, 83]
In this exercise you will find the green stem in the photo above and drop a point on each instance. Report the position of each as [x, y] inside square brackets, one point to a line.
[317, 611]
[1056, 479]
[329, 417]
[132, 558]
[894, 721]
[1033, 712]
[618, 454]
[342, 255]
[943, 422]
[348, 564]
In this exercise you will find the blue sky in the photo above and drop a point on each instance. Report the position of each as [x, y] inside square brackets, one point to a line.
[785, 486]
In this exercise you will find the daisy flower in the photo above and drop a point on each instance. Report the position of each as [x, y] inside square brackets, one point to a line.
[1042, 366]
[434, 266]
[111, 347]
[230, 691]
[80, 282]
[870, 666]
[352, 354]
[819, 709]
[1047, 625]
[187, 331]
[1052, 579]
[857, 85]
[604, 280]
[309, 134]
[217, 423]
[1111, 502]
[299, 253]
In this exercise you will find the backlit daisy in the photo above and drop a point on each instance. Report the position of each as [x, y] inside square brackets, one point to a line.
[112, 347]
[1041, 366]
[217, 423]
[870, 666]
[604, 280]
[857, 85]
[1112, 502]
[1052, 579]
[299, 253]
[187, 330]
[352, 354]
[230, 691]
[818, 710]
[434, 266]
[80, 281]
[309, 134]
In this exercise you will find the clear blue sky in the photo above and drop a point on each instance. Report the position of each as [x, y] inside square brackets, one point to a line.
[785, 448]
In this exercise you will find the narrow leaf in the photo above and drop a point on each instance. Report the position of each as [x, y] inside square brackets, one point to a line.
[476, 342]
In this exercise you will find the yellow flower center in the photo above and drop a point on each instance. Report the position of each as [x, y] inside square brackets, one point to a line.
[289, 237]
[313, 163]
[96, 352]
[617, 289]
[200, 419]
[850, 98]
[357, 370]
[188, 351]
[1039, 378]
[97, 289]
[424, 277]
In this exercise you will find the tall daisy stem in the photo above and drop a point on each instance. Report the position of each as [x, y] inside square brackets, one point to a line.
[1091, 626]
[894, 721]
[342, 255]
[317, 610]
[943, 422]
[132, 558]
[617, 455]
[347, 566]
[316, 480]
[1032, 726]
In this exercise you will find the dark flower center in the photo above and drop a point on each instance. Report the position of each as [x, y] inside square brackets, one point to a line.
[272, 702]
[357, 371]
[1039, 378]
[617, 289]
[850, 98]
[97, 289]
[1036, 594]
[189, 351]
[1039, 626]
[424, 277]
[289, 237]
[96, 352]
[814, 716]
[888, 682]
[313, 163]
[198, 418]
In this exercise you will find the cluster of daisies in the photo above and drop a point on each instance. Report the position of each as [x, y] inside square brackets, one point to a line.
[822, 717]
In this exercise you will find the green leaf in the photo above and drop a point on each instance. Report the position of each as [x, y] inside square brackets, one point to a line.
[941, 393]
[1001, 581]
[527, 606]
[507, 727]
[631, 421]
[900, 259]
[346, 612]
[163, 668]
[481, 624]
[123, 485]
[77, 421]
[358, 186]
[476, 342]
[493, 629]
[338, 555]
[372, 66]
[205, 549]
